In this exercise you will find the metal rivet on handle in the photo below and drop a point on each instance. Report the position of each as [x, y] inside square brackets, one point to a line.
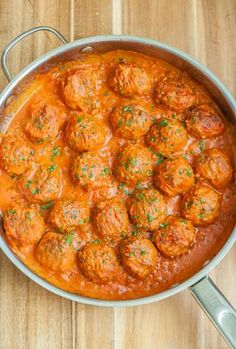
[87, 49]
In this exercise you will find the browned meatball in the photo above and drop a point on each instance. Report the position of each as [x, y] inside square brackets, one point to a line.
[111, 220]
[44, 123]
[68, 214]
[174, 176]
[15, 154]
[175, 236]
[41, 183]
[130, 121]
[147, 208]
[139, 257]
[175, 92]
[214, 165]
[84, 132]
[91, 171]
[201, 205]
[80, 86]
[167, 137]
[56, 252]
[23, 224]
[130, 80]
[203, 121]
[98, 262]
[134, 164]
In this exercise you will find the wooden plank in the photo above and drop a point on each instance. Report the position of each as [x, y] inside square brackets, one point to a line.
[94, 327]
[203, 29]
[31, 317]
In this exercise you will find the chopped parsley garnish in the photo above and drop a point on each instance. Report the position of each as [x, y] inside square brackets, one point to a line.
[134, 233]
[143, 253]
[96, 241]
[160, 159]
[202, 144]
[69, 238]
[163, 123]
[35, 191]
[149, 217]
[189, 172]
[28, 184]
[106, 171]
[47, 206]
[52, 168]
[55, 152]
[11, 212]
[79, 119]
[201, 215]
[127, 109]
[164, 225]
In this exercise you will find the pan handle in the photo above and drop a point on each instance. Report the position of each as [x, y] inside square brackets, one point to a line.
[18, 38]
[217, 308]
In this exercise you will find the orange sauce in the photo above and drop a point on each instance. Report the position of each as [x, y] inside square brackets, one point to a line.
[167, 272]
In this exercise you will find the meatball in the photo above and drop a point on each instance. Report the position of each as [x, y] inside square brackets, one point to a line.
[147, 208]
[139, 257]
[80, 86]
[84, 132]
[214, 165]
[175, 236]
[134, 164]
[174, 176]
[167, 137]
[98, 262]
[56, 252]
[204, 122]
[111, 220]
[91, 171]
[201, 205]
[130, 80]
[41, 183]
[175, 92]
[15, 154]
[68, 214]
[23, 224]
[44, 123]
[130, 121]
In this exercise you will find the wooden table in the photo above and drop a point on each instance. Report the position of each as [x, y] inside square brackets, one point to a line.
[31, 317]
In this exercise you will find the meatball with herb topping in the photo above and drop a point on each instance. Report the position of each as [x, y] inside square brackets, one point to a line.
[175, 92]
[175, 236]
[130, 121]
[111, 220]
[56, 252]
[69, 214]
[174, 176]
[129, 80]
[23, 224]
[203, 121]
[41, 183]
[134, 164]
[167, 137]
[45, 122]
[147, 208]
[214, 165]
[80, 86]
[201, 205]
[98, 262]
[84, 132]
[15, 154]
[91, 171]
[139, 257]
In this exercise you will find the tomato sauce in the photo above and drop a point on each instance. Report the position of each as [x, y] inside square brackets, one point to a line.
[168, 272]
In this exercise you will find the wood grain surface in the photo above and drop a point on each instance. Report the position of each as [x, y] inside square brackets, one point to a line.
[31, 317]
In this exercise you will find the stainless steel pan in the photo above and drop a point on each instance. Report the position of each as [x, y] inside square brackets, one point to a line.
[200, 285]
